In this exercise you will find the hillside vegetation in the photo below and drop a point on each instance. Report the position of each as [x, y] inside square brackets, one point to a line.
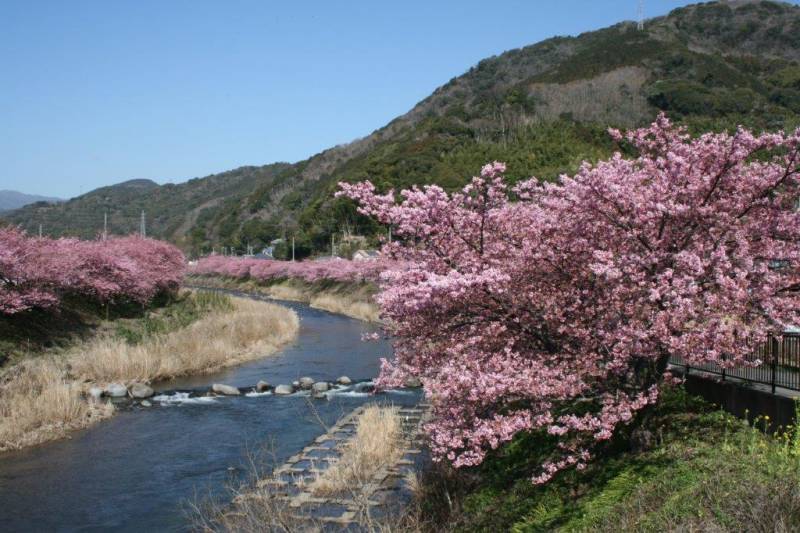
[542, 109]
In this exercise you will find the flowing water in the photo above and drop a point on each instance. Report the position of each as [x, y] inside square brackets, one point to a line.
[139, 470]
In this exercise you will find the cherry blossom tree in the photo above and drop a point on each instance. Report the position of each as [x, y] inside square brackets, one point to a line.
[37, 272]
[334, 269]
[556, 307]
[25, 280]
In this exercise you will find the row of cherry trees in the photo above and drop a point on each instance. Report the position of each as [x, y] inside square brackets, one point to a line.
[555, 307]
[38, 272]
[333, 269]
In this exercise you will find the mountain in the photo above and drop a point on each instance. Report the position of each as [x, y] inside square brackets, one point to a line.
[171, 210]
[543, 109]
[14, 199]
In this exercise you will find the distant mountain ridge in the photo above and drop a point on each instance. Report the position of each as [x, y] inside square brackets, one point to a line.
[542, 108]
[15, 199]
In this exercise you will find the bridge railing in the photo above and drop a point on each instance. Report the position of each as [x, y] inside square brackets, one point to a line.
[779, 364]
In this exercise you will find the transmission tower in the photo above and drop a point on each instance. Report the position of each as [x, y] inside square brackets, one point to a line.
[640, 15]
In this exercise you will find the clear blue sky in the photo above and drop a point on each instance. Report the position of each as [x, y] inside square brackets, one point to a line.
[93, 93]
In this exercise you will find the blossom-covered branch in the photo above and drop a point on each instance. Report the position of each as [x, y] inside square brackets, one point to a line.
[334, 269]
[37, 272]
[559, 311]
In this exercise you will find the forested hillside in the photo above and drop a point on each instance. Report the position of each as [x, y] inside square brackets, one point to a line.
[542, 109]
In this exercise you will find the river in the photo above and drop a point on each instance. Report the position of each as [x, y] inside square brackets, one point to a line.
[139, 470]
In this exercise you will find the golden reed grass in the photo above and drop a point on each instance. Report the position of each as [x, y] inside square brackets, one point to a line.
[349, 299]
[346, 305]
[220, 339]
[376, 444]
[42, 399]
[39, 402]
[257, 504]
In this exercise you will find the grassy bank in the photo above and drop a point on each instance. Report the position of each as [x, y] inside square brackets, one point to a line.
[351, 299]
[43, 395]
[39, 332]
[691, 468]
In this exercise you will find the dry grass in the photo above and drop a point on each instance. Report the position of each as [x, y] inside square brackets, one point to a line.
[220, 339]
[258, 505]
[346, 305]
[42, 399]
[377, 443]
[251, 511]
[355, 300]
[285, 291]
[38, 402]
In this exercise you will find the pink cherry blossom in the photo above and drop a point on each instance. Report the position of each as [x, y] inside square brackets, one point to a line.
[556, 306]
[37, 272]
[333, 269]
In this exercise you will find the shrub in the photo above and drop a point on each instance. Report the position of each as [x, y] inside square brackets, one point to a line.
[38, 272]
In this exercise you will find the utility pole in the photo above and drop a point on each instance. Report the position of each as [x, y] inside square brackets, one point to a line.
[142, 226]
[292, 248]
[640, 15]
[105, 225]
[40, 231]
[333, 245]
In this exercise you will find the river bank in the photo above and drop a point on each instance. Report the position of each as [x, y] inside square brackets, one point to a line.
[55, 391]
[142, 468]
[350, 298]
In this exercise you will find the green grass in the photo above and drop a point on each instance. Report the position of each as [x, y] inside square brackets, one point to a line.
[705, 470]
[179, 313]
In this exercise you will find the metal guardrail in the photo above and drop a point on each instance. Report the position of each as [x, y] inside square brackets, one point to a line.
[780, 364]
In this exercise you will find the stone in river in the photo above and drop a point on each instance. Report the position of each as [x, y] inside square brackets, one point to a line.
[306, 383]
[116, 390]
[284, 389]
[227, 390]
[344, 380]
[262, 386]
[95, 393]
[140, 390]
[145, 403]
[364, 386]
[320, 386]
